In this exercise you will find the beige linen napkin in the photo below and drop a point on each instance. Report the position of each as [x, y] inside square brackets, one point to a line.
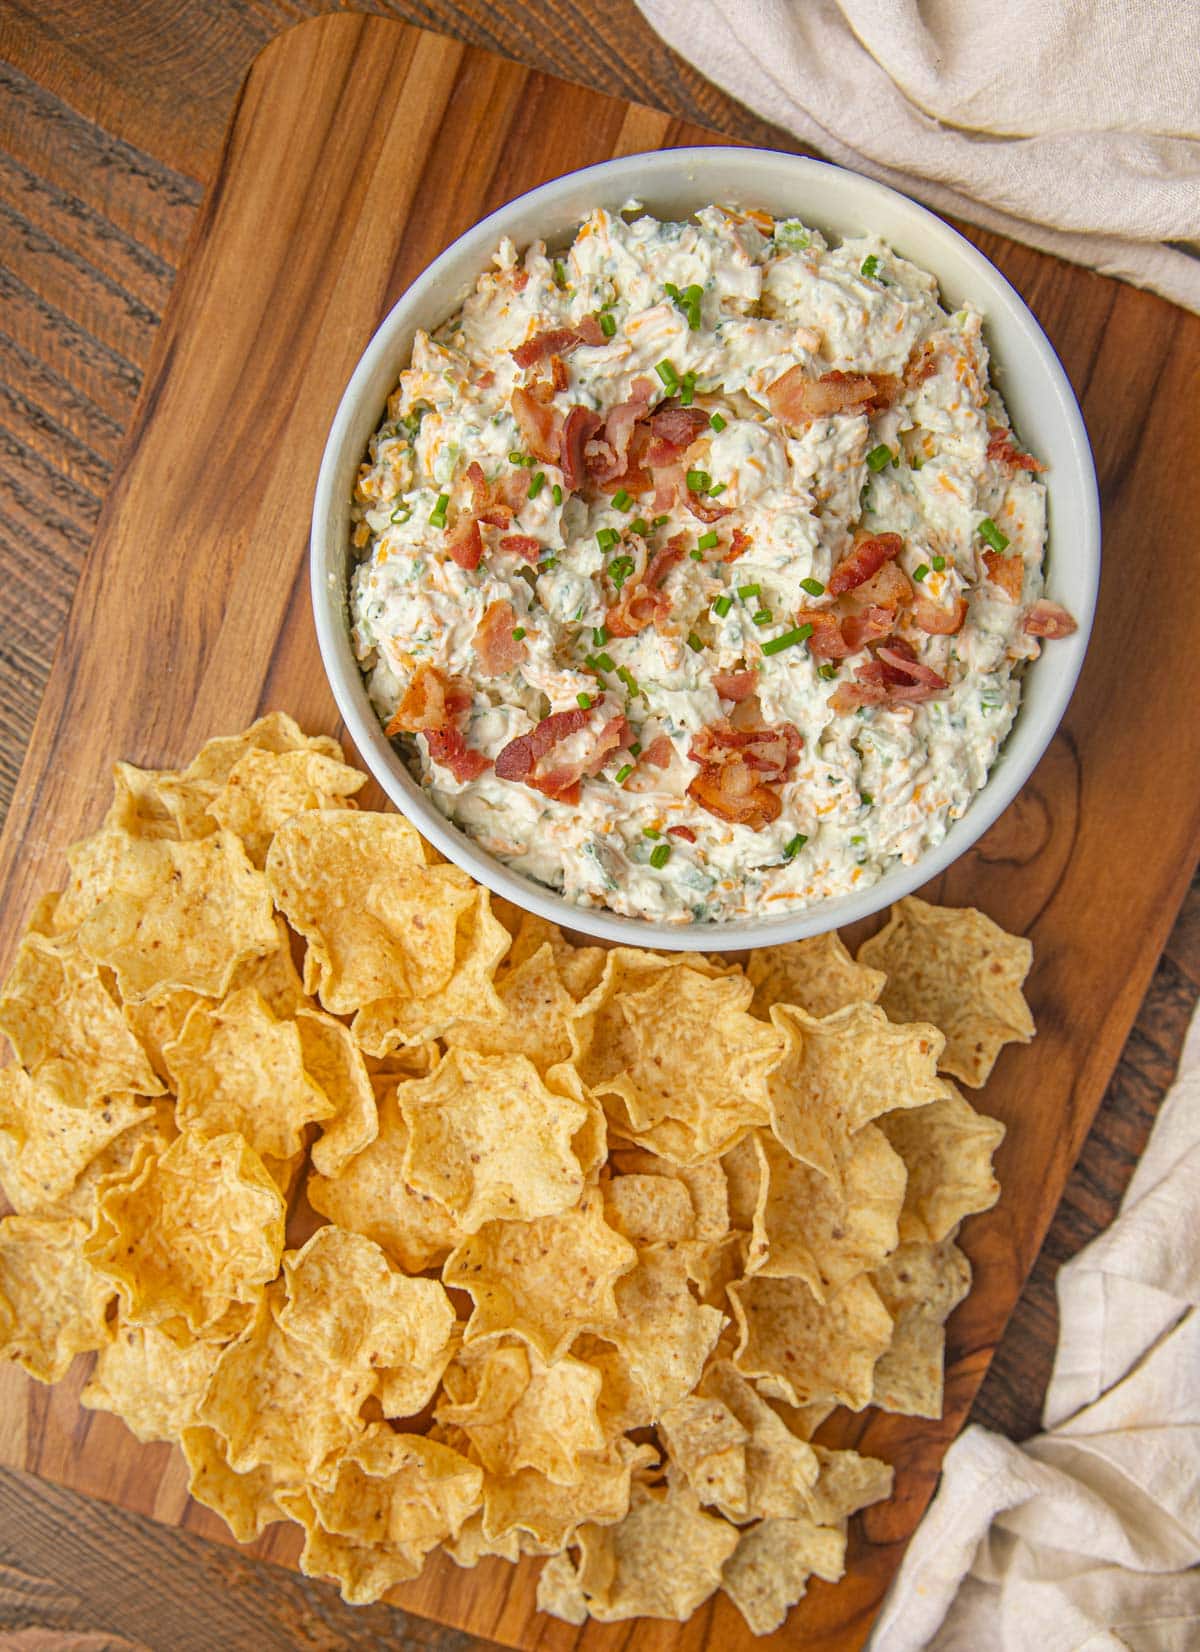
[1073, 125]
[1087, 1537]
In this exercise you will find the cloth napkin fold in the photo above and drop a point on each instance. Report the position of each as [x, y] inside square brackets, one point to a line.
[1073, 125]
[1088, 1536]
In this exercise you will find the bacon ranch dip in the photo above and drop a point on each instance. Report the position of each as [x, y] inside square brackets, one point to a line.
[700, 564]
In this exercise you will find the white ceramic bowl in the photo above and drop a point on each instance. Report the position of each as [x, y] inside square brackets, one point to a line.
[671, 184]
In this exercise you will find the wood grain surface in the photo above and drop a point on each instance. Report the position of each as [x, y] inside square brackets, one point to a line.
[92, 230]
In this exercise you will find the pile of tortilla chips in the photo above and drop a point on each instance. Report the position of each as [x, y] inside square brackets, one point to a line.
[459, 1235]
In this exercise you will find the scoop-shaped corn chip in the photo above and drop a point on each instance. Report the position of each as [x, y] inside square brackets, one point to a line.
[947, 1150]
[369, 1195]
[708, 1444]
[180, 915]
[95, 864]
[547, 1280]
[364, 1572]
[558, 1591]
[398, 1490]
[817, 975]
[188, 1232]
[266, 788]
[235, 1068]
[547, 1515]
[346, 1303]
[649, 1209]
[480, 942]
[920, 1285]
[155, 1128]
[46, 1144]
[955, 967]
[770, 1568]
[780, 1470]
[662, 1332]
[489, 1141]
[745, 1173]
[846, 1483]
[334, 1062]
[151, 1383]
[825, 1230]
[245, 1502]
[589, 1144]
[52, 1305]
[841, 1072]
[67, 1030]
[278, 1404]
[471, 1546]
[535, 1021]
[579, 967]
[662, 1561]
[518, 1412]
[801, 1349]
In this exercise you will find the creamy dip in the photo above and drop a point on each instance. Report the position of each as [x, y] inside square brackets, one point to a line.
[713, 602]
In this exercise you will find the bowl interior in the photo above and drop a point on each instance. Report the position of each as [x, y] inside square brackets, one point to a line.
[671, 184]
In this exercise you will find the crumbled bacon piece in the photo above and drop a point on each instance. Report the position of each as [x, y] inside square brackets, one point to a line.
[1008, 572]
[659, 752]
[866, 625]
[893, 677]
[685, 832]
[794, 398]
[735, 685]
[580, 425]
[1003, 450]
[888, 588]
[495, 502]
[738, 545]
[827, 641]
[938, 621]
[525, 757]
[559, 341]
[520, 280]
[431, 701]
[739, 768]
[673, 429]
[1049, 619]
[523, 545]
[465, 545]
[704, 509]
[539, 423]
[643, 601]
[865, 559]
[591, 332]
[559, 376]
[447, 747]
[496, 649]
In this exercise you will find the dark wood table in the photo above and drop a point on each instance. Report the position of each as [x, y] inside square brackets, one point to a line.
[111, 121]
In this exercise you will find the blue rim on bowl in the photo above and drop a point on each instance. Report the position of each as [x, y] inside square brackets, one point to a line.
[672, 183]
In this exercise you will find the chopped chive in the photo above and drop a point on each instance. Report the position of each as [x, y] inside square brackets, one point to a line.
[722, 606]
[437, 515]
[866, 797]
[939, 563]
[708, 541]
[635, 750]
[719, 488]
[608, 325]
[518, 632]
[829, 672]
[693, 297]
[879, 457]
[623, 773]
[660, 856]
[536, 483]
[696, 555]
[698, 481]
[763, 617]
[605, 662]
[792, 849]
[788, 639]
[600, 635]
[401, 513]
[870, 266]
[694, 643]
[921, 573]
[687, 389]
[668, 375]
[516, 457]
[606, 538]
[628, 678]
[671, 290]
[560, 272]
[718, 422]
[916, 462]
[621, 500]
[639, 526]
[547, 563]
[748, 591]
[660, 521]
[619, 570]
[556, 493]
[651, 831]
[585, 700]
[988, 530]
[813, 587]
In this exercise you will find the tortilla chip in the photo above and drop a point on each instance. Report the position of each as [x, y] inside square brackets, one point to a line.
[662, 1561]
[67, 1030]
[708, 1444]
[364, 1572]
[843, 1071]
[345, 1302]
[489, 1141]
[558, 1591]
[235, 1068]
[46, 1144]
[847, 1483]
[803, 1350]
[825, 1231]
[517, 1412]
[955, 967]
[547, 1280]
[188, 1232]
[745, 1175]
[817, 975]
[180, 915]
[536, 1011]
[589, 1144]
[266, 788]
[779, 1469]
[546, 1516]
[398, 1491]
[649, 1209]
[151, 1383]
[279, 1405]
[662, 1332]
[52, 1306]
[920, 1285]
[333, 1061]
[370, 1196]
[579, 967]
[155, 1128]
[947, 1150]
[769, 1570]
[471, 1546]
[245, 1502]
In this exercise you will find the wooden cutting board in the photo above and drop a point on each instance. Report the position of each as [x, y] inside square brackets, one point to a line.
[358, 150]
